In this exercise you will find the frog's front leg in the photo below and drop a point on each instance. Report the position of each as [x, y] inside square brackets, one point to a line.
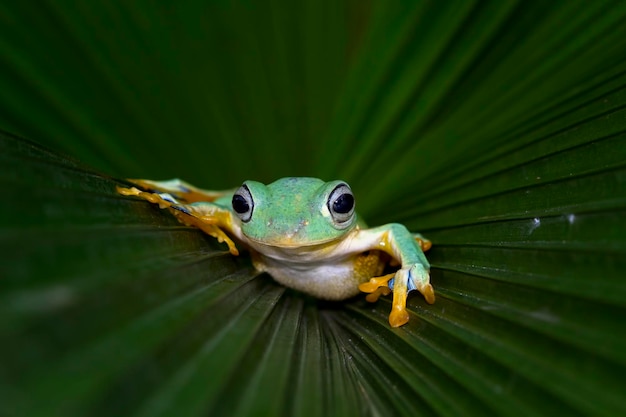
[413, 274]
[212, 219]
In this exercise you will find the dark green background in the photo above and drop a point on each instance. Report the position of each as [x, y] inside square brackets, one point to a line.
[497, 129]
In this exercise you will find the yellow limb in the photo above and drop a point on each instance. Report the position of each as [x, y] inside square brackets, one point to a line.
[378, 286]
[377, 293]
[375, 283]
[399, 316]
[425, 244]
[428, 292]
[151, 197]
[209, 224]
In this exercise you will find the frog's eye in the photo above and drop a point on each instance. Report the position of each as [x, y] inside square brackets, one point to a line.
[341, 205]
[243, 203]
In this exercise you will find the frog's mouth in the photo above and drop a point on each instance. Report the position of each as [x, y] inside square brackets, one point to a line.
[297, 234]
[292, 242]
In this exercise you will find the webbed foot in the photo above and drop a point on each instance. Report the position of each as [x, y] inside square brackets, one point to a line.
[376, 287]
[163, 200]
[188, 214]
[413, 277]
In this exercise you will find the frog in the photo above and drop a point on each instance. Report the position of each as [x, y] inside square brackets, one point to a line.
[305, 233]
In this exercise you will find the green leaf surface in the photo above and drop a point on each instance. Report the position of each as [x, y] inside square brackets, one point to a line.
[497, 129]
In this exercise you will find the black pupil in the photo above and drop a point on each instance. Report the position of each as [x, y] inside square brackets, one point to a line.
[344, 203]
[240, 205]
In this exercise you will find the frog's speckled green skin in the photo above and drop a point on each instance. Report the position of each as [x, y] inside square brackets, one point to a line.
[295, 234]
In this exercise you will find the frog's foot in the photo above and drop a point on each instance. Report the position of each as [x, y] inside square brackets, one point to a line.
[179, 189]
[187, 214]
[208, 224]
[424, 243]
[376, 287]
[413, 277]
[163, 200]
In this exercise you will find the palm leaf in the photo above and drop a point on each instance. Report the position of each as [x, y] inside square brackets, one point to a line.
[495, 128]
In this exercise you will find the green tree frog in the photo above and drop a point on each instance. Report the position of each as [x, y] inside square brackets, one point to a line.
[306, 234]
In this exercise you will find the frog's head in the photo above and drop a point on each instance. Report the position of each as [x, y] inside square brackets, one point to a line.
[293, 212]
